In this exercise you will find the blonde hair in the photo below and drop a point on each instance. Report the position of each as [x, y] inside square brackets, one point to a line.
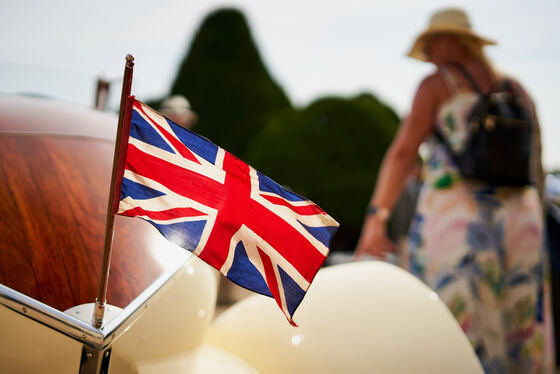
[472, 46]
[475, 48]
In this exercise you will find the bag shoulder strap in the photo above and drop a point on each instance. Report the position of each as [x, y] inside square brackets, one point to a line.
[501, 83]
[469, 78]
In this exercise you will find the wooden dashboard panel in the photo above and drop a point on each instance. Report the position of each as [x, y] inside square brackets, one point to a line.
[54, 186]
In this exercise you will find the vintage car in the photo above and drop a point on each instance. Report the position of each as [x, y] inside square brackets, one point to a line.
[55, 166]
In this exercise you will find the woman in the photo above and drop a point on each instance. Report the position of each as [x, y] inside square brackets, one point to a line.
[478, 246]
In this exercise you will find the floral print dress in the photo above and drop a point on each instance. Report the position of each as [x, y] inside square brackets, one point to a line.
[480, 248]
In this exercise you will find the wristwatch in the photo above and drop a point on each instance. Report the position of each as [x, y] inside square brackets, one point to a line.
[380, 212]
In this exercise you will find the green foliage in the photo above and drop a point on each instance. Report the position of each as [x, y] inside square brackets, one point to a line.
[329, 152]
[227, 83]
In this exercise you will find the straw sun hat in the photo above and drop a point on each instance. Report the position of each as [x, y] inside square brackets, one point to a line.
[449, 20]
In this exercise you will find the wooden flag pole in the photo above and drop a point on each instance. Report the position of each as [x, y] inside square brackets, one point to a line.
[114, 194]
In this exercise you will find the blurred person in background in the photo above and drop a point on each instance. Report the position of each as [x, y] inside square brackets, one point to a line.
[178, 109]
[477, 245]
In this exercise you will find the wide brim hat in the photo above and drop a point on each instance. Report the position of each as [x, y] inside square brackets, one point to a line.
[446, 21]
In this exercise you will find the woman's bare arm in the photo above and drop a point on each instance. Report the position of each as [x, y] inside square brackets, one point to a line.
[398, 162]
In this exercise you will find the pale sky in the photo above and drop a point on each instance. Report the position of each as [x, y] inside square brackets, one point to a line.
[312, 48]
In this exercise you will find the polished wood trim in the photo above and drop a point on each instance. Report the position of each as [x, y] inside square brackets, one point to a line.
[53, 196]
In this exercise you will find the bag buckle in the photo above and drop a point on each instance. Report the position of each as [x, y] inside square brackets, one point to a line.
[489, 123]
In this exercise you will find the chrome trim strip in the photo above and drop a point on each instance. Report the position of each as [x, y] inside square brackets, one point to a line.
[56, 134]
[77, 329]
[50, 317]
[114, 328]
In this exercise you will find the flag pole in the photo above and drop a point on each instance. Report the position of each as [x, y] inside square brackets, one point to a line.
[114, 194]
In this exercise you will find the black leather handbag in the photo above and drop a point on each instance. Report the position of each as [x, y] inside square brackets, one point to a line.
[498, 144]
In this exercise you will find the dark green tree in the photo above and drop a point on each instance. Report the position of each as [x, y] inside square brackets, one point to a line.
[329, 152]
[226, 82]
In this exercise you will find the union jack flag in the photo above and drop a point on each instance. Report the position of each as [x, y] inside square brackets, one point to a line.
[202, 198]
